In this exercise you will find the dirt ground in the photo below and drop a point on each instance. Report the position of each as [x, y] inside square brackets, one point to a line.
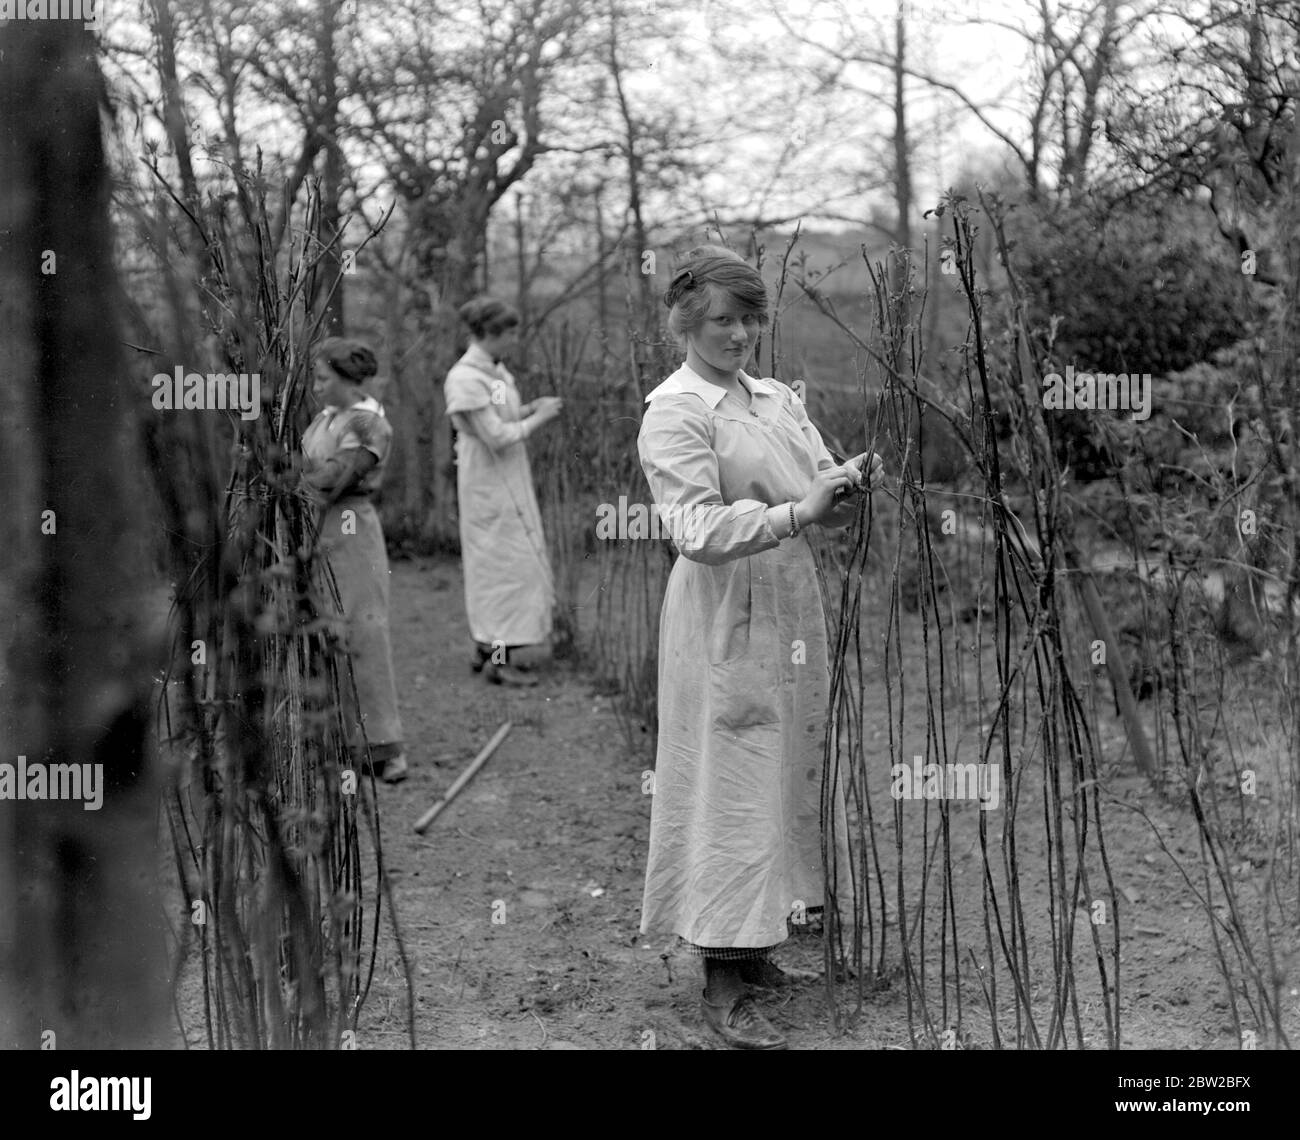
[550, 840]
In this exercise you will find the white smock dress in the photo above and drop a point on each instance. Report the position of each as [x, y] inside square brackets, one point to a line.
[509, 590]
[735, 839]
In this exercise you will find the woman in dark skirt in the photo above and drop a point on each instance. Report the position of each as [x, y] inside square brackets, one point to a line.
[346, 449]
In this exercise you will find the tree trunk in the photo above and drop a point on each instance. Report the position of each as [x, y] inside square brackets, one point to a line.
[331, 216]
[902, 157]
[172, 100]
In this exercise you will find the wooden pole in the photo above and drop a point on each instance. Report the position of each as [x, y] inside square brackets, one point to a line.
[1116, 662]
[482, 758]
[1116, 665]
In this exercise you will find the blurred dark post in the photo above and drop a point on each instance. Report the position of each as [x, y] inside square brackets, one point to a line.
[82, 960]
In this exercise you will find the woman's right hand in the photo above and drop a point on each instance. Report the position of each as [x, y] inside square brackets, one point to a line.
[820, 501]
[547, 408]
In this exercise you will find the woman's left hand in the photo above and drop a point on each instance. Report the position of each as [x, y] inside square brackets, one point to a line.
[870, 469]
[336, 477]
[846, 506]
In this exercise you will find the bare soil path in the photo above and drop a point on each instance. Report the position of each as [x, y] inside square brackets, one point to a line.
[520, 906]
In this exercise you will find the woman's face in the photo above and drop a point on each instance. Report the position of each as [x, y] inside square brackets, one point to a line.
[328, 386]
[502, 344]
[726, 339]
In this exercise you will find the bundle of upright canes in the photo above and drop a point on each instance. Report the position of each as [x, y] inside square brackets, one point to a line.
[266, 818]
[906, 914]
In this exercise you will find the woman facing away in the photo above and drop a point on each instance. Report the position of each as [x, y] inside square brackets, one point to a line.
[346, 448]
[738, 472]
[509, 591]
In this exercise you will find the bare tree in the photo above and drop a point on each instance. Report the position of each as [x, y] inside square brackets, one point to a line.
[286, 58]
[465, 123]
[1073, 53]
[1221, 125]
[454, 107]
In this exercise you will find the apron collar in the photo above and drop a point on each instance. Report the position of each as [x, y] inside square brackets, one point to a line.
[476, 355]
[688, 380]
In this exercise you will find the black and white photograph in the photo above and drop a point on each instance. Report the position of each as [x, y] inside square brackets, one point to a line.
[650, 526]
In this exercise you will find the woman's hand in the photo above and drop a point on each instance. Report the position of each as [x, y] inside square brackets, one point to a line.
[336, 477]
[845, 509]
[869, 470]
[547, 408]
[819, 504]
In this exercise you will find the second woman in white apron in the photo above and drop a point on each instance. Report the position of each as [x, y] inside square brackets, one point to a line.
[509, 590]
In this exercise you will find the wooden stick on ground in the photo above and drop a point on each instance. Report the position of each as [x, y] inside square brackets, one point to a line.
[464, 778]
[1116, 665]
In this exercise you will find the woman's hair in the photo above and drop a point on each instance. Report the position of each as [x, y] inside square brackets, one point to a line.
[688, 295]
[353, 360]
[486, 316]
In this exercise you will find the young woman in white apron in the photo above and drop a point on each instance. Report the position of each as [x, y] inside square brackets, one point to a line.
[738, 472]
[509, 590]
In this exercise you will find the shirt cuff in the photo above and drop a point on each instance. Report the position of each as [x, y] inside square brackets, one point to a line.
[778, 520]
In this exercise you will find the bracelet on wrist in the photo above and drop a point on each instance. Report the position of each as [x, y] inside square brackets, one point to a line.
[794, 522]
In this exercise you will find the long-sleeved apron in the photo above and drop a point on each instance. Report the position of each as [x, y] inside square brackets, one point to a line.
[735, 843]
[509, 591]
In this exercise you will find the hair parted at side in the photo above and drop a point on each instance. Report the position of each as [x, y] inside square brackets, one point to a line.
[703, 269]
[352, 359]
[486, 316]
